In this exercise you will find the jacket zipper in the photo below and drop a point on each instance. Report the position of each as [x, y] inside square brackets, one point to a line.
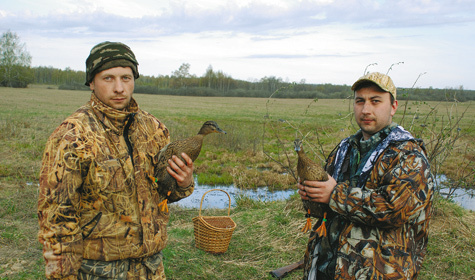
[129, 121]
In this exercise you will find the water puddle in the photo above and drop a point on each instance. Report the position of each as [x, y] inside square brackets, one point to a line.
[463, 197]
[219, 200]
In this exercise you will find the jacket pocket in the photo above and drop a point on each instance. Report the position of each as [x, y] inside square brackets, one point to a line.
[89, 227]
[108, 175]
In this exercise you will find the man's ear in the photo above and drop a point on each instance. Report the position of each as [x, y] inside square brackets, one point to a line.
[394, 108]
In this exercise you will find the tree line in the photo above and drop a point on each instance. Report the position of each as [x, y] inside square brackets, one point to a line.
[217, 83]
[16, 71]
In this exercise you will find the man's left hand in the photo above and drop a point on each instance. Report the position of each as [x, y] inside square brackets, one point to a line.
[181, 171]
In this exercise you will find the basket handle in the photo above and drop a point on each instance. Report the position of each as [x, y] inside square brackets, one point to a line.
[202, 198]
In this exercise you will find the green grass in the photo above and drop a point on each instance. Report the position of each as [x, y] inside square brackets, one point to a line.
[268, 234]
[451, 244]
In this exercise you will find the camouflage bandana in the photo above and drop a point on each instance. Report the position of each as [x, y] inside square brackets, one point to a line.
[362, 150]
[107, 55]
[361, 165]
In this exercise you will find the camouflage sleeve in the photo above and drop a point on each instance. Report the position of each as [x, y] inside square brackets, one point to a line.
[398, 190]
[181, 193]
[60, 178]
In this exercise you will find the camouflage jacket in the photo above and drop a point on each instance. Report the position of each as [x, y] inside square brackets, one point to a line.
[95, 201]
[378, 228]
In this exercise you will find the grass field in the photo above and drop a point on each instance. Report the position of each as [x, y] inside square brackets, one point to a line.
[256, 151]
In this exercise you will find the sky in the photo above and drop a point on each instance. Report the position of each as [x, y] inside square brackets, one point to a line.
[419, 43]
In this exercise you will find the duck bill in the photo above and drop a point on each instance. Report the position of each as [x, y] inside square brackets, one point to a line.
[219, 130]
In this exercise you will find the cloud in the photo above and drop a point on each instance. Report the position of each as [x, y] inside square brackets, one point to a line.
[278, 56]
[288, 38]
[259, 17]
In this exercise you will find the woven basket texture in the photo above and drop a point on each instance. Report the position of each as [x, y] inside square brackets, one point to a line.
[213, 233]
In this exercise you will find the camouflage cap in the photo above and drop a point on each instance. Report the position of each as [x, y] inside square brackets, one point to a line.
[381, 80]
[108, 55]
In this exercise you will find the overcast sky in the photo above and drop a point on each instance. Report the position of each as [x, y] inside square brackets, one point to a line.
[319, 41]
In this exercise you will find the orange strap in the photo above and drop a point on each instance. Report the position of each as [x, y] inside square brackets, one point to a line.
[322, 229]
[308, 224]
[153, 178]
[164, 204]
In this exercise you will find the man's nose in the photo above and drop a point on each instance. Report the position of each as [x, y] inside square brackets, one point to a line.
[366, 108]
[118, 86]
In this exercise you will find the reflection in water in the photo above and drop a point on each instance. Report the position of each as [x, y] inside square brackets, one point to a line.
[466, 198]
[463, 197]
[218, 199]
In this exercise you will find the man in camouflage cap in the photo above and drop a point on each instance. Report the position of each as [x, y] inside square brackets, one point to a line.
[378, 198]
[98, 208]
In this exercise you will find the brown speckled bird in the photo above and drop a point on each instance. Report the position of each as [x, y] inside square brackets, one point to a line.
[308, 170]
[190, 146]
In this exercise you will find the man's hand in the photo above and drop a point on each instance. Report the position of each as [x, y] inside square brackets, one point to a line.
[181, 171]
[317, 191]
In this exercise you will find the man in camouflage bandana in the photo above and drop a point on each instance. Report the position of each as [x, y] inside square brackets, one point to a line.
[98, 209]
[378, 198]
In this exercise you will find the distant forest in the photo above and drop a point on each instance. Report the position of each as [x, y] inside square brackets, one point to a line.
[217, 83]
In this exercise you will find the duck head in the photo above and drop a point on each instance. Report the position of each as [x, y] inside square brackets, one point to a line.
[210, 127]
[297, 145]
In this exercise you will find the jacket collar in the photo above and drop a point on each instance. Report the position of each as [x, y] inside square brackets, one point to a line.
[392, 133]
[357, 139]
[111, 118]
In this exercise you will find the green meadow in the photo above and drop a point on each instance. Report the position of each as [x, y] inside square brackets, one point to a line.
[256, 151]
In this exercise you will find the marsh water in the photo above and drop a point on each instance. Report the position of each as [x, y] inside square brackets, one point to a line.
[465, 198]
[218, 199]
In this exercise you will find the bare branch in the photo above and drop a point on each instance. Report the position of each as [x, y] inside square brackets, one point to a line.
[391, 67]
[364, 73]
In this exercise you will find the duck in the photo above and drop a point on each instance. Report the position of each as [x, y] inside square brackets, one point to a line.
[308, 170]
[190, 146]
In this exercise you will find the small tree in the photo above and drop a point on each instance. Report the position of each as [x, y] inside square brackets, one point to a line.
[209, 77]
[182, 74]
[15, 62]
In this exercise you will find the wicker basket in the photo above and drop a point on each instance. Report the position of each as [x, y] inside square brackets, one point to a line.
[213, 233]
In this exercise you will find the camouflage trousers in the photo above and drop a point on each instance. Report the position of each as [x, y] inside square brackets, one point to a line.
[150, 268]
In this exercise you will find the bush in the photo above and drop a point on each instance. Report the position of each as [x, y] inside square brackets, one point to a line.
[16, 76]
